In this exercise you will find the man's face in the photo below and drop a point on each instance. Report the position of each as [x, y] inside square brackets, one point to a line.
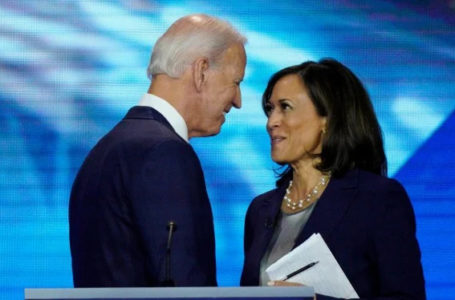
[221, 90]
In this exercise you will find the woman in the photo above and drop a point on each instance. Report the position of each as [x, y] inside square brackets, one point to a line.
[323, 128]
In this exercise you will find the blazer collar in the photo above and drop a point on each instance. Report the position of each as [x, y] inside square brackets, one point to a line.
[272, 205]
[328, 212]
[268, 214]
[147, 113]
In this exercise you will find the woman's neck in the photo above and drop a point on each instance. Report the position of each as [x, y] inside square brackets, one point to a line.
[305, 188]
[305, 176]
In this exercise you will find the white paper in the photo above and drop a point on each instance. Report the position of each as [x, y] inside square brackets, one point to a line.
[326, 277]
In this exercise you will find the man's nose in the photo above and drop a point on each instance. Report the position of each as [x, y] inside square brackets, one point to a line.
[237, 102]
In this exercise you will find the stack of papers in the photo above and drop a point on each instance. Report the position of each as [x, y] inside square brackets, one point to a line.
[326, 276]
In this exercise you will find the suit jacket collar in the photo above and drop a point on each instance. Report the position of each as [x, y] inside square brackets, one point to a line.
[149, 113]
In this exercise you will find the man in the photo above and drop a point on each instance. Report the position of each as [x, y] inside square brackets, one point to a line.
[144, 174]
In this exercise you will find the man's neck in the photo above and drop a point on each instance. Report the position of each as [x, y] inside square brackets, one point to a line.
[177, 93]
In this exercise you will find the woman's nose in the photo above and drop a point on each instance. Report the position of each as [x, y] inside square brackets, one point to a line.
[273, 120]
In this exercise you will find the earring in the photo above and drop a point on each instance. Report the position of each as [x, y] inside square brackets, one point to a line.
[324, 130]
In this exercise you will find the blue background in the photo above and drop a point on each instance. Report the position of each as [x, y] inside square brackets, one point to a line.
[69, 70]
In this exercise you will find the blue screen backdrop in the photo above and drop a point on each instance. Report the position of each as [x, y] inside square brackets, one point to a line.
[69, 70]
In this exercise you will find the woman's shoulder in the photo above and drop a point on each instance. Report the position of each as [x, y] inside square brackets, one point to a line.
[369, 180]
[381, 190]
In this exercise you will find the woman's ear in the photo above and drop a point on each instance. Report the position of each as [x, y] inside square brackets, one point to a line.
[200, 68]
[324, 125]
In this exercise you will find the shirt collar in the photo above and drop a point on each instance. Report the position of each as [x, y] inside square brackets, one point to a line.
[169, 113]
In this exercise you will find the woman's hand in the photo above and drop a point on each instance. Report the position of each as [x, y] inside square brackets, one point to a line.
[285, 283]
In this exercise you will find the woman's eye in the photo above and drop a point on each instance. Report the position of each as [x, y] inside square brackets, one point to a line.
[285, 106]
[268, 109]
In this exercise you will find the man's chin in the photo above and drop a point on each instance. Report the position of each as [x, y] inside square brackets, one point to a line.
[216, 131]
[210, 132]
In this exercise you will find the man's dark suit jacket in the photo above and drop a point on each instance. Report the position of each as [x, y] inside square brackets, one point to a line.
[367, 222]
[138, 177]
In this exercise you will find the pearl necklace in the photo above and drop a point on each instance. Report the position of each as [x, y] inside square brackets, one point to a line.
[311, 196]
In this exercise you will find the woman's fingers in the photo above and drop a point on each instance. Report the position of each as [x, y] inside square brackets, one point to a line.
[282, 283]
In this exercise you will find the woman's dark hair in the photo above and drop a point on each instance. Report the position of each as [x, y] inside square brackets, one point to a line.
[353, 136]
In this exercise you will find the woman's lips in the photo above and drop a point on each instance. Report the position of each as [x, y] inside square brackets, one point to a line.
[276, 140]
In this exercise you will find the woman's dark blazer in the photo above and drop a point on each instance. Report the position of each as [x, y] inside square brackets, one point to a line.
[368, 223]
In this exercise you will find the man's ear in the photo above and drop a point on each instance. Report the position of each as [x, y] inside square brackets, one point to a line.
[200, 68]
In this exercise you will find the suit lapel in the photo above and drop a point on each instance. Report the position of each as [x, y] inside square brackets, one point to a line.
[331, 207]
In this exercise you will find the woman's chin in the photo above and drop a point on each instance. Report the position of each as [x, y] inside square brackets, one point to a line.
[279, 160]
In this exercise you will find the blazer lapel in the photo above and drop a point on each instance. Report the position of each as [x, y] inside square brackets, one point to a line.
[269, 212]
[331, 207]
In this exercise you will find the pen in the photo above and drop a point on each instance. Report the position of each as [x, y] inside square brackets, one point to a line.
[300, 270]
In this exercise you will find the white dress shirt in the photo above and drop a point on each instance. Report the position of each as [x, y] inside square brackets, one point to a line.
[169, 113]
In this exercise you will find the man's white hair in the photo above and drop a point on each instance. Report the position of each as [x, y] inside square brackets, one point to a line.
[189, 38]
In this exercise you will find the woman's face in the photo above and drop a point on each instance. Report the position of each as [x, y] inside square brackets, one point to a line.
[294, 126]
